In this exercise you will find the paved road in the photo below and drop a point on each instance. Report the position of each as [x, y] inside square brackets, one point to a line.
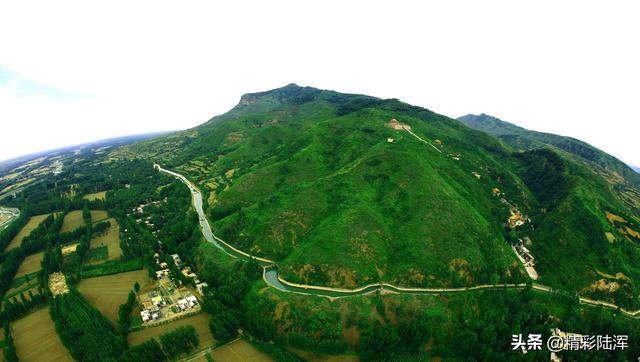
[271, 277]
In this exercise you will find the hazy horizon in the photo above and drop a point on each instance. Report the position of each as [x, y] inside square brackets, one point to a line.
[99, 72]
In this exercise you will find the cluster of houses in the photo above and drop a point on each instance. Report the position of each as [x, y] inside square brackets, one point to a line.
[151, 310]
[524, 253]
[186, 271]
[187, 302]
[164, 267]
[517, 219]
[140, 209]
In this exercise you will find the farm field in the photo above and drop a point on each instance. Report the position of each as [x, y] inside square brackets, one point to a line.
[238, 351]
[30, 264]
[34, 221]
[98, 215]
[315, 357]
[72, 221]
[107, 292]
[199, 321]
[36, 339]
[110, 238]
[95, 196]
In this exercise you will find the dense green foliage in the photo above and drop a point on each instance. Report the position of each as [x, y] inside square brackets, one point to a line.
[87, 334]
[11, 230]
[318, 188]
[181, 340]
[227, 288]
[124, 314]
[149, 351]
[9, 349]
[17, 307]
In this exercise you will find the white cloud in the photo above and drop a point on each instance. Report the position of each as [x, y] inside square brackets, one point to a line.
[565, 67]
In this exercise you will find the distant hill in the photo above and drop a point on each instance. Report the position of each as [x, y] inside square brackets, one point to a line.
[521, 138]
[624, 180]
[336, 189]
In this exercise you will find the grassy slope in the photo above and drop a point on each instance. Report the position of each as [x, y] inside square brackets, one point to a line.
[569, 239]
[307, 177]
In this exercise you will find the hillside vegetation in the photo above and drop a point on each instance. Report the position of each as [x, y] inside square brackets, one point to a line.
[323, 183]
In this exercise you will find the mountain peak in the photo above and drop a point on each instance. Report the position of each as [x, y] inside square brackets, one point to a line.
[290, 93]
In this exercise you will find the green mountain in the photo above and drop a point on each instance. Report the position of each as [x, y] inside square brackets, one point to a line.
[345, 190]
[624, 180]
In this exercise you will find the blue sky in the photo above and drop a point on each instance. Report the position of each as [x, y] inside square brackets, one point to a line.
[77, 71]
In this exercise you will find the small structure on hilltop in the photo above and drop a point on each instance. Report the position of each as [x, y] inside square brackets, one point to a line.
[476, 175]
[438, 142]
[395, 124]
[496, 191]
[390, 140]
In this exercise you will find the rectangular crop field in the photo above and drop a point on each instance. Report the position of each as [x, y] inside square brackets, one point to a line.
[33, 223]
[98, 215]
[110, 238]
[36, 339]
[95, 196]
[107, 292]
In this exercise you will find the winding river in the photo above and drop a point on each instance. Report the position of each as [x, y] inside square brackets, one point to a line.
[271, 277]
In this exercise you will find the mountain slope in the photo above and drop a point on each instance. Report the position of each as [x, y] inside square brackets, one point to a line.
[623, 179]
[338, 191]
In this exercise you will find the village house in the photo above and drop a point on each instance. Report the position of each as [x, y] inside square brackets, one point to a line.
[176, 259]
[188, 273]
[160, 274]
[187, 302]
